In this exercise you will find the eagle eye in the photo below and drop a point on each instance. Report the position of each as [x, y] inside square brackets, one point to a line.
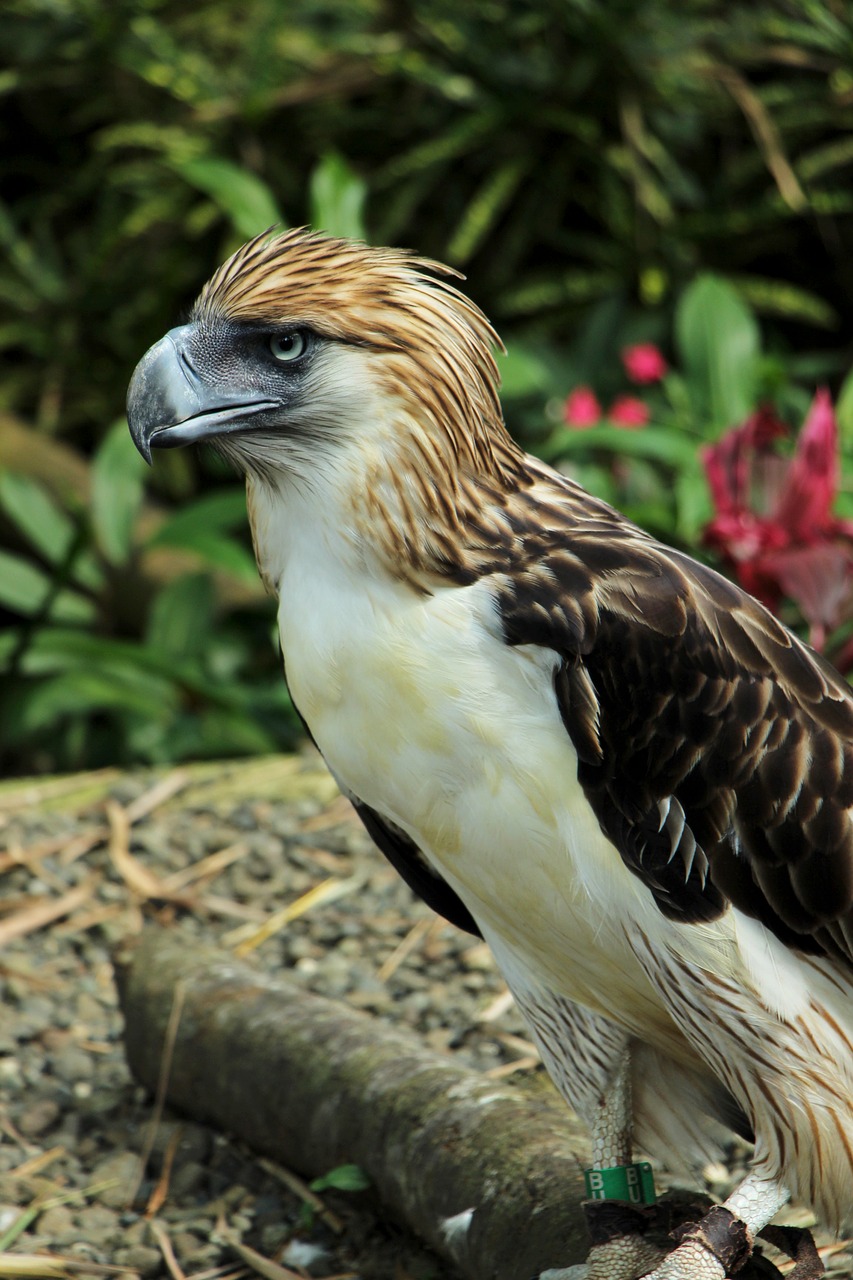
[288, 347]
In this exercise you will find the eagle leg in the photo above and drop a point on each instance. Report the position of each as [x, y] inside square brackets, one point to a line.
[620, 1250]
[589, 1059]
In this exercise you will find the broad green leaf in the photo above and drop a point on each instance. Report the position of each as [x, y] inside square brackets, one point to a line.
[241, 195]
[84, 692]
[215, 550]
[523, 372]
[655, 443]
[24, 588]
[222, 732]
[181, 616]
[693, 503]
[225, 509]
[337, 198]
[719, 345]
[36, 515]
[116, 492]
[47, 526]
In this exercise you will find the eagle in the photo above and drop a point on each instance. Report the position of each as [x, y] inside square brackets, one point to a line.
[595, 752]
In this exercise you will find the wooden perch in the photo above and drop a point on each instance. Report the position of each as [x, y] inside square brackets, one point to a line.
[486, 1173]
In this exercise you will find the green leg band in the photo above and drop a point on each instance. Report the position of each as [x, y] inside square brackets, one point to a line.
[632, 1182]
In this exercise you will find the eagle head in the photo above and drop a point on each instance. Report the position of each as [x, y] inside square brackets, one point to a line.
[303, 348]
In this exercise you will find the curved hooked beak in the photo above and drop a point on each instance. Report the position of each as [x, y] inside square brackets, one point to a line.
[169, 405]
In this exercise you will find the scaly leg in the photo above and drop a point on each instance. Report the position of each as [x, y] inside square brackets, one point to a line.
[620, 1250]
[588, 1058]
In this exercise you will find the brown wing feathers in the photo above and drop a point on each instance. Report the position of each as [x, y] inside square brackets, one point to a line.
[686, 699]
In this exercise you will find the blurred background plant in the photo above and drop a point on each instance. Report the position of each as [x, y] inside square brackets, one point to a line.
[640, 174]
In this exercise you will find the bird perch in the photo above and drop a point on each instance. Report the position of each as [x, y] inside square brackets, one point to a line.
[487, 1173]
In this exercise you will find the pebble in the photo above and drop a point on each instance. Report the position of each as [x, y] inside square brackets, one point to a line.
[118, 1174]
[144, 1259]
[57, 1224]
[39, 1117]
[96, 1220]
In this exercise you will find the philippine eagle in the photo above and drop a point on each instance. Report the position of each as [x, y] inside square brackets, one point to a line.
[596, 752]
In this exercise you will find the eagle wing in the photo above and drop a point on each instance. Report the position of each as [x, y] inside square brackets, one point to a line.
[715, 749]
[408, 861]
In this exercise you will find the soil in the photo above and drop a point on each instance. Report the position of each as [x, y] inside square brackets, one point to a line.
[89, 1170]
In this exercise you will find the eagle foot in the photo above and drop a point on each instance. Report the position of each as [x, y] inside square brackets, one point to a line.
[718, 1246]
[635, 1242]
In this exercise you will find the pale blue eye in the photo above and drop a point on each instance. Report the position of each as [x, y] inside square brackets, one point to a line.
[288, 346]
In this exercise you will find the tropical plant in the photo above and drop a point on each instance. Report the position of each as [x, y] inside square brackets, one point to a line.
[584, 164]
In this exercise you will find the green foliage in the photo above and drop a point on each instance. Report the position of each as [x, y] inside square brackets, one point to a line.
[646, 170]
[717, 339]
[655, 474]
[346, 1177]
[197, 675]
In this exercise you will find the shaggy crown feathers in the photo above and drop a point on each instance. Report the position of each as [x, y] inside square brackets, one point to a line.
[437, 345]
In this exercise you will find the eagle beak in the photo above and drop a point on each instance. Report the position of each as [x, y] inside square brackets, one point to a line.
[170, 405]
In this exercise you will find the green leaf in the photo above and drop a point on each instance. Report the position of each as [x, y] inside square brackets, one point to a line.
[719, 344]
[693, 503]
[84, 692]
[215, 550]
[36, 515]
[24, 588]
[484, 210]
[225, 509]
[523, 372]
[241, 195]
[777, 297]
[347, 1177]
[337, 198]
[224, 732]
[181, 616]
[655, 443]
[116, 492]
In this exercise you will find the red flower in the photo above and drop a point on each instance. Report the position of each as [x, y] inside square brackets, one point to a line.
[581, 408]
[774, 524]
[644, 363]
[628, 411]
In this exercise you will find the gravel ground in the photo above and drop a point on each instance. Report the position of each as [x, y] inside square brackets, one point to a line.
[210, 851]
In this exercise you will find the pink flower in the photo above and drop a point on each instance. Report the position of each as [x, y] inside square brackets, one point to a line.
[644, 363]
[628, 411]
[773, 521]
[581, 408]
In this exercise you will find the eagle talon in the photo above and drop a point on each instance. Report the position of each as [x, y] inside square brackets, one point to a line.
[798, 1243]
